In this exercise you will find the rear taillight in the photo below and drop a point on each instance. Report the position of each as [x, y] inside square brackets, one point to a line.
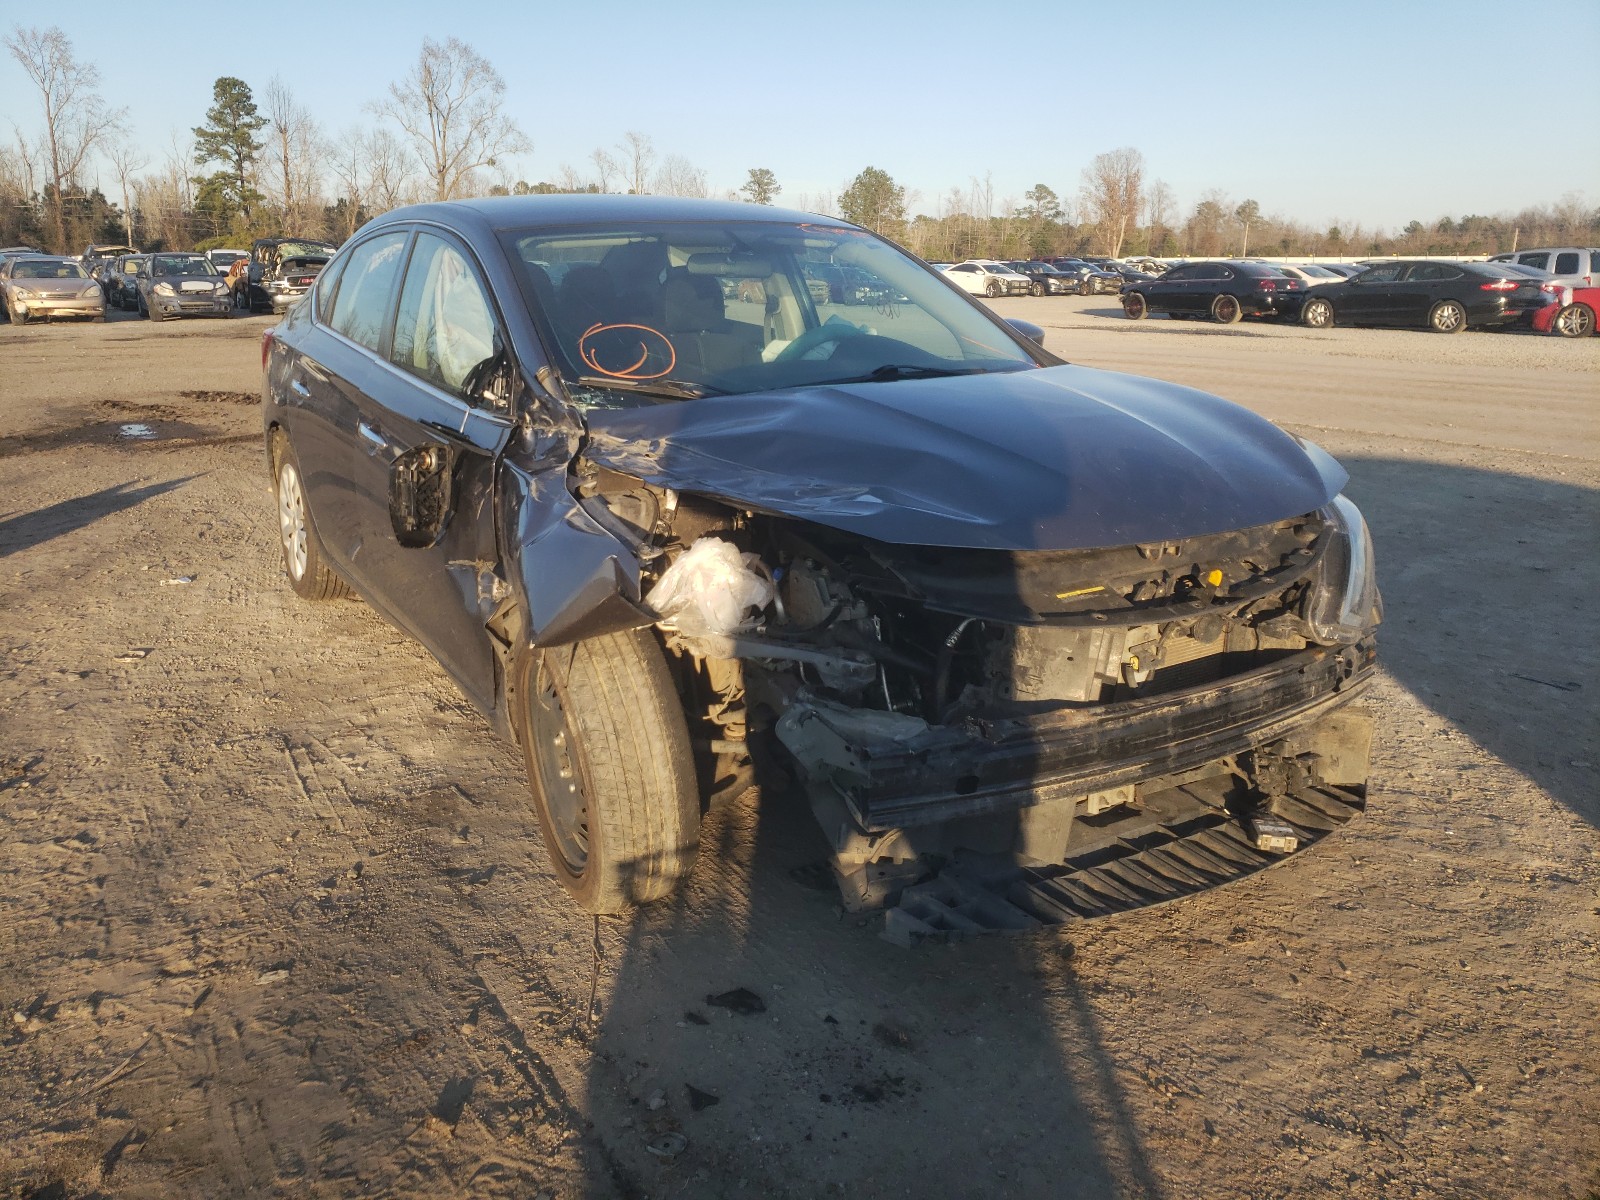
[1268, 285]
[266, 348]
[1498, 285]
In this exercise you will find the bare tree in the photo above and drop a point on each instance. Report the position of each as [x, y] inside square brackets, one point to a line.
[389, 180]
[1112, 185]
[637, 154]
[680, 177]
[76, 120]
[125, 164]
[450, 107]
[605, 167]
[297, 145]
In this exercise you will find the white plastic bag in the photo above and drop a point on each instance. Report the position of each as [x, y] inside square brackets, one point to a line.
[711, 588]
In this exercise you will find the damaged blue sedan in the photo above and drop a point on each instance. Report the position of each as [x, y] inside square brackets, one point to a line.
[1033, 642]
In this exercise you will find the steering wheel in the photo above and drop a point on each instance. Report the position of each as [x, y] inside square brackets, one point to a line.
[838, 331]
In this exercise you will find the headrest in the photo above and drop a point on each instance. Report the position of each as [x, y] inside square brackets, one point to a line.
[691, 302]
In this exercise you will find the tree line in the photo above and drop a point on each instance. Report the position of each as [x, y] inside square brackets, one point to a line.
[263, 166]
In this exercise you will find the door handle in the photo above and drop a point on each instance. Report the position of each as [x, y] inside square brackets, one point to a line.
[373, 437]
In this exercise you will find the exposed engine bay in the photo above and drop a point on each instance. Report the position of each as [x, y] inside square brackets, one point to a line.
[994, 739]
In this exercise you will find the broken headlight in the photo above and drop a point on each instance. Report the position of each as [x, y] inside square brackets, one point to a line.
[1345, 605]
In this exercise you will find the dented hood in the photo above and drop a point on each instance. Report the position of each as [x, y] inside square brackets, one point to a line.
[1057, 458]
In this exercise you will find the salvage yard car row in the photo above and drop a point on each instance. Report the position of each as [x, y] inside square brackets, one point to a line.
[161, 285]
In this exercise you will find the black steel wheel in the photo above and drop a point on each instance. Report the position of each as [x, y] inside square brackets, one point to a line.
[610, 768]
[1574, 321]
[1448, 316]
[1317, 313]
[1226, 309]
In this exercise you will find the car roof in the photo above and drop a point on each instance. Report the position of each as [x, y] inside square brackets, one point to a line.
[495, 213]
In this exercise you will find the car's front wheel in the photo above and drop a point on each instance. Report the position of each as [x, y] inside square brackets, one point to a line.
[1318, 313]
[309, 574]
[1448, 316]
[1134, 307]
[1036, 289]
[1574, 321]
[1085, 287]
[992, 288]
[610, 768]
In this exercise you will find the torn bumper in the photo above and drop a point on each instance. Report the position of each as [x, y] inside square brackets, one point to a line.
[983, 767]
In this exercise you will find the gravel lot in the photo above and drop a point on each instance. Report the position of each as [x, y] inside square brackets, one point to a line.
[274, 917]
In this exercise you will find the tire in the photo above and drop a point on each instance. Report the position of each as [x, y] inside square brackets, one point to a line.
[301, 550]
[992, 288]
[1226, 309]
[1036, 289]
[1317, 313]
[1135, 307]
[1448, 316]
[610, 768]
[142, 309]
[1085, 287]
[16, 317]
[1574, 321]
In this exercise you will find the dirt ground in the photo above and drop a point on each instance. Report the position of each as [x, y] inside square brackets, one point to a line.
[275, 918]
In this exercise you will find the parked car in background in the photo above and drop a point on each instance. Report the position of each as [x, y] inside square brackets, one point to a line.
[932, 573]
[280, 272]
[1446, 297]
[1574, 266]
[121, 281]
[1092, 280]
[1133, 275]
[1045, 280]
[182, 285]
[1342, 270]
[988, 277]
[98, 254]
[1572, 316]
[1310, 275]
[1223, 291]
[45, 287]
[223, 259]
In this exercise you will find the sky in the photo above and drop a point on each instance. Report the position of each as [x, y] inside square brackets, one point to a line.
[1356, 112]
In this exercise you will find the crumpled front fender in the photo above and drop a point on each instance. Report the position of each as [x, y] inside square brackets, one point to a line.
[575, 578]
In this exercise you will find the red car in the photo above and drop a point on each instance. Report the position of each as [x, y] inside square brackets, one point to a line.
[1572, 316]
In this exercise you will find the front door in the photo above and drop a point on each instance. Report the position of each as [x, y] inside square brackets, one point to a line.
[423, 458]
[1369, 297]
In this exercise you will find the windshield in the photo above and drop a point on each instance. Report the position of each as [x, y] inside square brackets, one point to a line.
[181, 264]
[300, 250]
[48, 270]
[712, 308]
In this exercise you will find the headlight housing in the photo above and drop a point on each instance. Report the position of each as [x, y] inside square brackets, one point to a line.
[90, 292]
[220, 288]
[1345, 604]
[22, 293]
[163, 289]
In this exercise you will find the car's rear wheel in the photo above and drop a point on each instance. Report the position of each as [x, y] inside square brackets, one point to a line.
[610, 768]
[309, 574]
[1317, 313]
[1448, 316]
[1226, 310]
[1134, 307]
[1574, 321]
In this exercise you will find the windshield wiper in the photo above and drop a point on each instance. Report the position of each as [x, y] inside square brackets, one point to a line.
[671, 388]
[892, 371]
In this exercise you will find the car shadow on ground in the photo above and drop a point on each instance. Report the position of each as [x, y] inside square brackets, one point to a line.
[22, 531]
[1497, 573]
[815, 1059]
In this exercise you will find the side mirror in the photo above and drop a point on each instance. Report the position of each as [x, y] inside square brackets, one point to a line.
[1027, 329]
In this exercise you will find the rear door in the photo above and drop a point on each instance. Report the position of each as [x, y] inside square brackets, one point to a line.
[422, 460]
[1421, 286]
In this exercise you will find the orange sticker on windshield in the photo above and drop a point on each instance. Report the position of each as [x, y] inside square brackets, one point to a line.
[616, 344]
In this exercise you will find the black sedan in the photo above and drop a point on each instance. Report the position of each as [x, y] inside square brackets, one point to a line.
[1223, 291]
[953, 590]
[1045, 279]
[1443, 296]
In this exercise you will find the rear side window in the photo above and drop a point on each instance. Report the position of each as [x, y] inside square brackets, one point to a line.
[1434, 272]
[444, 330]
[1567, 264]
[1384, 274]
[327, 283]
[361, 304]
[1594, 262]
